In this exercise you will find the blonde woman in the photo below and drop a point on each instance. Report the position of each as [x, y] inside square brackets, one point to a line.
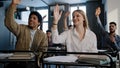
[78, 39]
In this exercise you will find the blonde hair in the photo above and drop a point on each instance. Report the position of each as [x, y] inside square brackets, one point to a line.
[85, 24]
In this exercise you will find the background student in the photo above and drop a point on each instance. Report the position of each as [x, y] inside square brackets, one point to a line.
[111, 41]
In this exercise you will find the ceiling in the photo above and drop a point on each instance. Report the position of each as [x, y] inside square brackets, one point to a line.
[43, 3]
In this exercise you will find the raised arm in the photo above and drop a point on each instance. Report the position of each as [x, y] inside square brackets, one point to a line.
[110, 40]
[97, 14]
[65, 20]
[98, 21]
[56, 37]
[57, 16]
[9, 17]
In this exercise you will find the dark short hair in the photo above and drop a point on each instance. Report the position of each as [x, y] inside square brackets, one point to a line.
[113, 23]
[37, 14]
[48, 31]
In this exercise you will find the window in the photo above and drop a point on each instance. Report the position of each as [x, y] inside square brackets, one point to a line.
[24, 16]
[44, 12]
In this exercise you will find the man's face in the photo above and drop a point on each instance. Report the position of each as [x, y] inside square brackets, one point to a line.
[112, 28]
[33, 22]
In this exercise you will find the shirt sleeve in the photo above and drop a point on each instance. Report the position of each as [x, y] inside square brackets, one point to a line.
[58, 38]
[94, 45]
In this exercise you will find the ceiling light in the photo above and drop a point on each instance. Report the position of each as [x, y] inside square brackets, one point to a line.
[27, 8]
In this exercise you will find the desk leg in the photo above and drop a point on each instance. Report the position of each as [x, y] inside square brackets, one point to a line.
[42, 65]
[48, 66]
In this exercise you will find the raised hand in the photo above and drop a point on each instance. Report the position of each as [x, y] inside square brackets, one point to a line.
[57, 14]
[66, 14]
[98, 11]
[16, 2]
[65, 20]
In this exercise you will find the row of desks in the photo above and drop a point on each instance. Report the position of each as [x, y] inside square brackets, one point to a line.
[57, 51]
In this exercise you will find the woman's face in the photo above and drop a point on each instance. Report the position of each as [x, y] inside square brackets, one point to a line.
[77, 18]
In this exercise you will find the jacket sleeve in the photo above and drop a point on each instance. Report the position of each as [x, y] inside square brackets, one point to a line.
[10, 21]
[44, 43]
[43, 47]
[100, 26]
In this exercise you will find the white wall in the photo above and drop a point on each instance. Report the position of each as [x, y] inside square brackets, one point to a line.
[113, 13]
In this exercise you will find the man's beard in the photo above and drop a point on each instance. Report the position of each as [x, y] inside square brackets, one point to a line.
[112, 31]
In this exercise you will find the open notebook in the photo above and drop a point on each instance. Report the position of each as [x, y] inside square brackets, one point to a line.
[93, 59]
[61, 59]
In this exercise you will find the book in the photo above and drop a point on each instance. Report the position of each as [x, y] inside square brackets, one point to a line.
[22, 56]
[95, 59]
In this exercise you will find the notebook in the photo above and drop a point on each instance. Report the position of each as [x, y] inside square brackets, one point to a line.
[22, 56]
[61, 59]
[95, 59]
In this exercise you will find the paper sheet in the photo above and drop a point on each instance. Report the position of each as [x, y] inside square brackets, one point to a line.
[61, 59]
[5, 55]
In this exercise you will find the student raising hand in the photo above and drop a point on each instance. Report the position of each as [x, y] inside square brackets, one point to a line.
[57, 14]
[98, 11]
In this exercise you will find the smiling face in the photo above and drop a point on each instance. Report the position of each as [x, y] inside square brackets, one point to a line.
[33, 22]
[79, 18]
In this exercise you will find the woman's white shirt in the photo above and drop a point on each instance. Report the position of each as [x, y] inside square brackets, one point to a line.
[71, 39]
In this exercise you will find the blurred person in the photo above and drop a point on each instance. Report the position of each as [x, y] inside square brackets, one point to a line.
[111, 39]
[66, 27]
[49, 36]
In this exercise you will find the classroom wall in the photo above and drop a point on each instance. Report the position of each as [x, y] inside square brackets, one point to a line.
[5, 34]
[113, 12]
